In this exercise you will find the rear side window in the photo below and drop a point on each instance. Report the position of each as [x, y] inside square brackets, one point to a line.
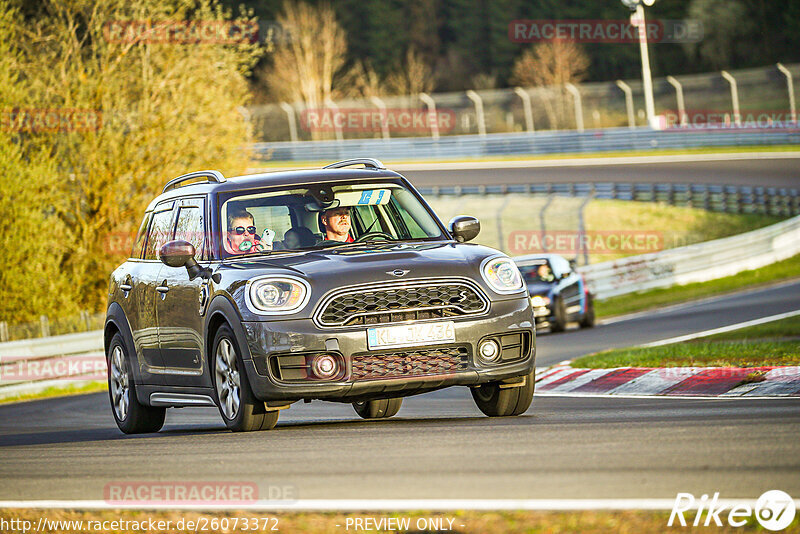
[141, 235]
[160, 232]
[190, 228]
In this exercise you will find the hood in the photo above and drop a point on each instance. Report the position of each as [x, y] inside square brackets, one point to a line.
[370, 263]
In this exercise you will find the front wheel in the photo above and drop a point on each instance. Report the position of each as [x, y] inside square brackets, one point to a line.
[239, 408]
[495, 401]
[559, 321]
[378, 409]
[588, 319]
[131, 416]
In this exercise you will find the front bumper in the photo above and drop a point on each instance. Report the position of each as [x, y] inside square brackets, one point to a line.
[265, 340]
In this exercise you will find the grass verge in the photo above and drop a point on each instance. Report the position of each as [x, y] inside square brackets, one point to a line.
[57, 391]
[655, 298]
[698, 354]
[485, 522]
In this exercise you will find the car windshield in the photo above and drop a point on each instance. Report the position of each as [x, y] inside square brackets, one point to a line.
[538, 271]
[322, 215]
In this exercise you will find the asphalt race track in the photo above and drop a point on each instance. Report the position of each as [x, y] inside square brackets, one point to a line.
[766, 172]
[439, 445]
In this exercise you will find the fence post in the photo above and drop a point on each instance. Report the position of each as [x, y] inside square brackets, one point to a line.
[430, 103]
[542, 220]
[85, 317]
[290, 117]
[384, 119]
[44, 325]
[578, 105]
[790, 86]
[681, 102]
[737, 117]
[526, 106]
[582, 230]
[628, 102]
[3, 331]
[337, 127]
[478, 101]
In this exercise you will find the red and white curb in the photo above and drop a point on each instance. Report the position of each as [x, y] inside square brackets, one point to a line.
[671, 381]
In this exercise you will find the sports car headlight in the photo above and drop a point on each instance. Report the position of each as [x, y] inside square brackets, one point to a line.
[539, 302]
[276, 295]
[502, 274]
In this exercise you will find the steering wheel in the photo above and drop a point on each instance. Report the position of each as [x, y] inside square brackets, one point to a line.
[370, 235]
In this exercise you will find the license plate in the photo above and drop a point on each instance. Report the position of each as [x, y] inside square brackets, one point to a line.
[410, 335]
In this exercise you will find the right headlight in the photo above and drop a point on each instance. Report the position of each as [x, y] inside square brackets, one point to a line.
[277, 294]
[502, 274]
[539, 302]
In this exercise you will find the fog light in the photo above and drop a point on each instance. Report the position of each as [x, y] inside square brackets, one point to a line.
[325, 366]
[489, 350]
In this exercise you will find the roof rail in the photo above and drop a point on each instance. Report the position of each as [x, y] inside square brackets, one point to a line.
[213, 176]
[369, 163]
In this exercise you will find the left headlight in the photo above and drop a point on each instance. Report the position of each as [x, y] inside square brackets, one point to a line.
[277, 295]
[501, 273]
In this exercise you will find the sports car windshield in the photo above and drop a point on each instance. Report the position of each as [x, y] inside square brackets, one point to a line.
[538, 271]
[322, 215]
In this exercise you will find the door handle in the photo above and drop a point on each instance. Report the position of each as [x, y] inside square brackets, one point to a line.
[125, 287]
[163, 288]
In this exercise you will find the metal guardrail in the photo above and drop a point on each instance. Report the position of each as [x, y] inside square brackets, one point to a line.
[779, 201]
[32, 365]
[695, 263]
[510, 144]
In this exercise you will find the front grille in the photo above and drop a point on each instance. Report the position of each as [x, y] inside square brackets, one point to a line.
[406, 302]
[421, 362]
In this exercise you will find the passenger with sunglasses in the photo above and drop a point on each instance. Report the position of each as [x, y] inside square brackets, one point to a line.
[242, 237]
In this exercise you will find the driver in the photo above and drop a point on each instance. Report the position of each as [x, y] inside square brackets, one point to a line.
[336, 224]
[545, 274]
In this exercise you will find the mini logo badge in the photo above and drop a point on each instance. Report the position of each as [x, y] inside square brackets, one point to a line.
[398, 272]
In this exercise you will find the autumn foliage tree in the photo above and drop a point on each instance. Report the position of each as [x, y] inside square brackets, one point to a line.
[163, 109]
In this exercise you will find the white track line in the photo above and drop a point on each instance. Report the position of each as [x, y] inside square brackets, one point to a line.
[697, 302]
[720, 330]
[390, 505]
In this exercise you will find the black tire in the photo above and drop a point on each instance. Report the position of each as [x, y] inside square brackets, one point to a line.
[131, 416]
[559, 320]
[378, 409]
[496, 402]
[239, 408]
[588, 319]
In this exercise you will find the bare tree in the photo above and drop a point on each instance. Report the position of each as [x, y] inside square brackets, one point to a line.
[303, 69]
[551, 65]
[414, 76]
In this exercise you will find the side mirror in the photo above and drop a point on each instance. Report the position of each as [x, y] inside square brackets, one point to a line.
[573, 264]
[464, 228]
[180, 253]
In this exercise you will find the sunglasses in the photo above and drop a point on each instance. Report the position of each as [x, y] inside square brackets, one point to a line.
[240, 230]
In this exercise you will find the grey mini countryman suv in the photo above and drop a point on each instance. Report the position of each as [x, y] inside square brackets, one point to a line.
[252, 293]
